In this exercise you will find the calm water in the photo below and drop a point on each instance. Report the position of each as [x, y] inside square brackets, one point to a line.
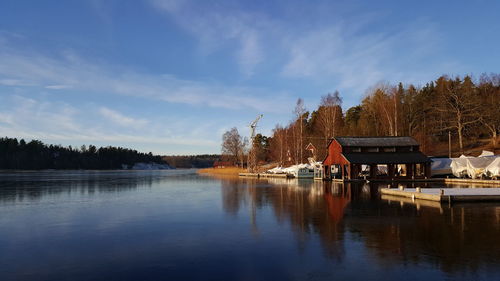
[176, 225]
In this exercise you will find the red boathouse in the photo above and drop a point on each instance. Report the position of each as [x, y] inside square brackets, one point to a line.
[352, 158]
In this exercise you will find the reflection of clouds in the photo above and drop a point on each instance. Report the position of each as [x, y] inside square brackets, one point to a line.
[42, 185]
[66, 202]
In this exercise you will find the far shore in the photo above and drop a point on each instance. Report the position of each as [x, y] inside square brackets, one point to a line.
[230, 171]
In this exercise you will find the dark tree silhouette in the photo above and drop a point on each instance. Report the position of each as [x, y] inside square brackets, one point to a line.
[35, 154]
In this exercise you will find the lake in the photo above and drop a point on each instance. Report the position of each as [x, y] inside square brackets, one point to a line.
[177, 225]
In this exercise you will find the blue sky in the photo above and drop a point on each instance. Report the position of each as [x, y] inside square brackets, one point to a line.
[171, 76]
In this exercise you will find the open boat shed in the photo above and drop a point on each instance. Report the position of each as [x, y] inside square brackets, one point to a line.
[351, 158]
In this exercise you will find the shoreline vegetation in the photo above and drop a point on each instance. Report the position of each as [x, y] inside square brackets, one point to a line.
[191, 161]
[449, 116]
[229, 171]
[36, 155]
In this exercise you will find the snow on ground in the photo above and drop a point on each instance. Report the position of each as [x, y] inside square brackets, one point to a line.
[294, 169]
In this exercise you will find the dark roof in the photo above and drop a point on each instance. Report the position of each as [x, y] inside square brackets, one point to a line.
[376, 141]
[386, 158]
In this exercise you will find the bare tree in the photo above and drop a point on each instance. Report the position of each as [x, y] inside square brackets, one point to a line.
[329, 113]
[233, 145]
[489, 93]
[277, 145]
[411, 110]
[384, 106]
[299, 112]
[459, 106]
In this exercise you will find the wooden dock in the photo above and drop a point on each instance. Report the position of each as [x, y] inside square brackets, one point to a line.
[481, 182]
[446, 194]
[474, 181]
[418, 203]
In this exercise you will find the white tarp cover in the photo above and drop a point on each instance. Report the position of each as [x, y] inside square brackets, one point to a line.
[477, 165]
[459, 166]
[486, 153]
[441, 166]
[493, 169]
[276, 170]
[293, 170]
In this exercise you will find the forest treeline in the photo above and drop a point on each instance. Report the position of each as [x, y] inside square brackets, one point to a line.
[192, 161]
[465, 109]
[35, 154]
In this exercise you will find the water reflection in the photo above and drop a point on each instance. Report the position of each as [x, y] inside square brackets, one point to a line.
[455, 239]
[34, 185]
[177, 225]
[310, 208]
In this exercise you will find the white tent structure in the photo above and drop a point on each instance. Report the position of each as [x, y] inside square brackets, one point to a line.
[459, 166]
[486, 153]
[298, 171]
[493, 169]
[441, 166]
[476, 166]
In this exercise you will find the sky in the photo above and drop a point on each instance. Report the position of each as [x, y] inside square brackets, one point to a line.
[171, 76]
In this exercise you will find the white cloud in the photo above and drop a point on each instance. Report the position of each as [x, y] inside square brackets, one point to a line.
[57, 87]
[60, 122]
[29, 115]
[218, 28]
[71, 72]
[122, 120]
[319, 51]
[335, 48]
[6, 119]
[13, 82]
[355, 61]
[29, 108]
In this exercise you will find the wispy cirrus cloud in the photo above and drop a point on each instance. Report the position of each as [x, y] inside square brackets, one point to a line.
[71, 72]
[357, 61]
[217, 28]
[30, 118]
[32, 82]
[13, 82]
[57, 87]
[27, 115]
[122, 120]
[337, 48]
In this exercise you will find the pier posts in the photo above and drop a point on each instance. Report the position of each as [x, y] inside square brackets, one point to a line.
[390, 171]
[373, 171]
[410, 171]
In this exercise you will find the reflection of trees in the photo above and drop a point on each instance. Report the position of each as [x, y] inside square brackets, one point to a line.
[311, 208]
[456, 239]
[233, 195]
[20, 186]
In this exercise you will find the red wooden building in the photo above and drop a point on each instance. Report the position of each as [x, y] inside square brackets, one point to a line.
[352, 158]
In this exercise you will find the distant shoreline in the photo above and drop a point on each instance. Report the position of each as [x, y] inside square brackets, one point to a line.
[231, 171]
[89, 170]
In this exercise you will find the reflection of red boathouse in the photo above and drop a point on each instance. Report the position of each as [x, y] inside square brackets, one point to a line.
[336, 204]
[351, 158]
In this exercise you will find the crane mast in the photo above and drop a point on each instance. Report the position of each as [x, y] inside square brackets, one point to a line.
[251, 161]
